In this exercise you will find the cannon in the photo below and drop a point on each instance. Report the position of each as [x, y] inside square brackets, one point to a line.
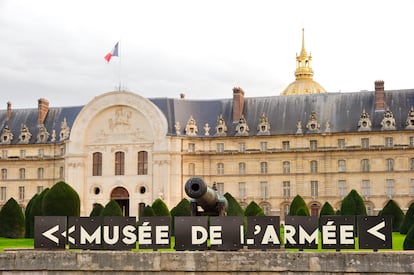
[205, 197]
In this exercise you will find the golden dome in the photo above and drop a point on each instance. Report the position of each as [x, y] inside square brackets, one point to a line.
[304, 83]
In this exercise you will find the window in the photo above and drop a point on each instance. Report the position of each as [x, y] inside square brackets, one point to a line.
[61, 172]
[365, 143]
[286, 167]
[242, 146]
[286, 189]
[341, 143]
[366, 188]
[390, 184]
[22, 173]
[263, 167]
[97, 164]
[62, 150]
[39, 189]
[286, 145]
[411, 141]
[314, 166]
[191, 147]
[22, 154]
[266, 208]
[263, 146]
[40, 173]
[191, 169]
[365, 165]
[342, 188]
[341, 165]
[313, 144]
[4, 154]
[3, 193]
[314, 188]
[220, 147]
[220, 168]
[388, 142]
[411, 186]
[41, 153]
[21, 193]
[242, 190]
[286, 209]
[119, 163]
[242, 168]
[412, 164]
[389, 165]
[220, 188]
[4, 174]
[142, 163]
[263, 190]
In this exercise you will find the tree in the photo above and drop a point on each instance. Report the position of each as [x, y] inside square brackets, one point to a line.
[160, 208]
[61, 200]
[29, 218]
[353, 204]
[148, 211]
[409, 240]
[408, 220]
[233, 208]
[297, 204]
[112, 208]
[327, 210]
[96, 210]
[12, 220]
[253, 209]
[392, 209]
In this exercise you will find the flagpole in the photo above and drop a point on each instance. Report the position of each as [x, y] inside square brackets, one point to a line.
[120, 65]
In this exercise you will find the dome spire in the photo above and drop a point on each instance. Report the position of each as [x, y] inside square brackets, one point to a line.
[304, 83]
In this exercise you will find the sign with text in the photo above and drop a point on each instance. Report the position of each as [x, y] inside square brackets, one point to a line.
[263, 232]
[301, 232]
[337, 232]
[374, 232]
[218, 233]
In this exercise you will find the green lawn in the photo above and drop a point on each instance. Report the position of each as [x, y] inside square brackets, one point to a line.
[397, 243]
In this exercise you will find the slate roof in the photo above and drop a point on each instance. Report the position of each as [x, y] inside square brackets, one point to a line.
[343, 111]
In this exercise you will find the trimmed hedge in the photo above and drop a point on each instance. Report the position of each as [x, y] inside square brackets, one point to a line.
[61, 200]
[353, 204]
[408, 220]
[112, 208]
[160, 208]
[253, 209]
[392, 209]
[233, 208]
[96, 210]
[327, 210]
[148, 211]
[12, 223]
[29, 218]
[298, 207]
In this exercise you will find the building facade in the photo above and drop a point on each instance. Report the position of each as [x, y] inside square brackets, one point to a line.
[132, 149]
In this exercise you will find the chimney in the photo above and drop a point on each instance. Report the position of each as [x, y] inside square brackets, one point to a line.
[379, 95]
[42, 109]
[182, 96]
[238, 103]
[9, 111]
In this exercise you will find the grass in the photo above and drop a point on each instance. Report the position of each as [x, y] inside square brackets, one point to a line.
[5, 243]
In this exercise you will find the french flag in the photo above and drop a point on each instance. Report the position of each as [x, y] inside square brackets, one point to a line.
[114, 52]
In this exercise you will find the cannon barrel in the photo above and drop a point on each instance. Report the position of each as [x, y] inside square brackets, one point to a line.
[208, 198]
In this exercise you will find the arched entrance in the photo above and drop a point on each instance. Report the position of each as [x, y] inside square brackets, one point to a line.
[121, 196]
[314, 210]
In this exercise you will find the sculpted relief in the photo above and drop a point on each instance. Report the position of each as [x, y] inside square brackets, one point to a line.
[117, 125]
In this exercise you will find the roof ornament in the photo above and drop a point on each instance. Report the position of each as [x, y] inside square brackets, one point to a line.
[409, 122]
[64, 130]
[263, 129]
[6, 135]
[242, 129]
[364, 123]
[388, 122]
[313, 125]
[42, 135]
[206, 129]
[221, 128]
[327, 127]
[177, 127]
[191, 128]
[299, 130]
[25, 135]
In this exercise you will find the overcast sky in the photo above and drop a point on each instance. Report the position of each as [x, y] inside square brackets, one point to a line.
[55, 49]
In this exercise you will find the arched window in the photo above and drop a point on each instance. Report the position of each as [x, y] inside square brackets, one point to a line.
[97, 164]
[119, 163]
[142, 163]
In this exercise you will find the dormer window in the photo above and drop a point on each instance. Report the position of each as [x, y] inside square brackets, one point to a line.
[364, 123]
[191, 128]
[6, 135]
[242, 128]
[264, 126]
